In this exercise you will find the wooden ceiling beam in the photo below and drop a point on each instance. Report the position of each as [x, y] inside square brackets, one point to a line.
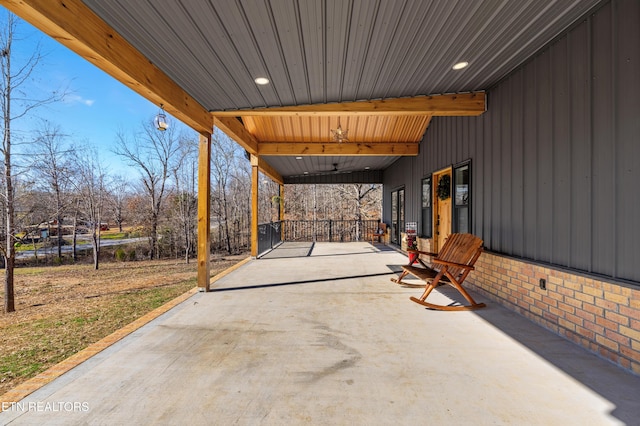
[74, 25]
[346, 148]
[460, 104]
[269, 171]
[236, 131]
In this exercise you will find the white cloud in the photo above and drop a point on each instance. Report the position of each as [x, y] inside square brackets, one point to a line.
[77, 99]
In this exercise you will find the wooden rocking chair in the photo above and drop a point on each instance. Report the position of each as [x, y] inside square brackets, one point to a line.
[450, 266]
[414, 256]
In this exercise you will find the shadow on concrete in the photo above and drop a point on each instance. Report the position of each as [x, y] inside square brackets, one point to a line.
[383, 247]
[618, 386]
[289, 249]
[252, 287]
[344, 254]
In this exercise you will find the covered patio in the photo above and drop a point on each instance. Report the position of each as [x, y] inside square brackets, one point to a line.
[325, 338]
[286, 78]
[319, 335]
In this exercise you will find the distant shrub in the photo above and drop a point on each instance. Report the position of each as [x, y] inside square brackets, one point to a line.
[137, 232]
[144, 251]
[58, 260]
[131, 255]
[120, 254]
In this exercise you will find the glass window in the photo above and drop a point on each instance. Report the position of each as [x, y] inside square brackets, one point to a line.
[400, 212]
[397, 215]
[394, 217]
[462, 194]
[426, 207]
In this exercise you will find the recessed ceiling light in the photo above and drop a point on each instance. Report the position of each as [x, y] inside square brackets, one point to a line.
[367, 168]
[298, 158]
[460, 65]
[306, 173]
[261, 81]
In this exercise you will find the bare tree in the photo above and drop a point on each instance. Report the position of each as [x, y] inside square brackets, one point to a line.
[52, 168]
[223, 160]
[152, 153]
[92, 191]
[268, 200]
[185, 201]
[15, 103]
[118, 187]
[359, 196]
[240, 208]
[30, 211]
[75, 203]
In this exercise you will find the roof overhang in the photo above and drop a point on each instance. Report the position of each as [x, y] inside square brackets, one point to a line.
[366, 66]
[388, 128]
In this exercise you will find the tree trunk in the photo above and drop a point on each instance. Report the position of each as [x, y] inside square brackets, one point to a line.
[187, 241]
[219, 230]
[74, 250]
[35, 248]
[154, 251]
[96, 247]
[9, 297]
[315, 212]
[119, 218]
[358, 208]
[10, 252]
[226, 222]
[59, 223]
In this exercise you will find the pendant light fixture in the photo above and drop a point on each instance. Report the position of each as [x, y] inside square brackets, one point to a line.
[161, 120]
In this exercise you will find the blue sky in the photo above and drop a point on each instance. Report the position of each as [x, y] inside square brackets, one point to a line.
[97, 106]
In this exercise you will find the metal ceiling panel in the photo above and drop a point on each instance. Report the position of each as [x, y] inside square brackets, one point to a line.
[326, 51]
[329, 165]
[314, 45]
[317, 51]
[525, 29]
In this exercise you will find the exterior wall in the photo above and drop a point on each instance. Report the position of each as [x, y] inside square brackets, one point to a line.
[603, 317]
[554, 176]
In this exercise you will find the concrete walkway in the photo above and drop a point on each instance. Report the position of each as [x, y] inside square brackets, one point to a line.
[327, 339]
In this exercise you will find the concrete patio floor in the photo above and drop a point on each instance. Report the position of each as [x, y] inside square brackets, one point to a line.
[328, 339]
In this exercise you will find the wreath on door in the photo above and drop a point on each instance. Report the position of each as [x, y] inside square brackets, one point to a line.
[444, 187]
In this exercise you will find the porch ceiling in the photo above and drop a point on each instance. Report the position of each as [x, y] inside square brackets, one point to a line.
[369, 65]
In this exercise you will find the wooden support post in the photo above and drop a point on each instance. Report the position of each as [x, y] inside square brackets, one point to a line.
[281, 209]
[254, 205]
[204, 212]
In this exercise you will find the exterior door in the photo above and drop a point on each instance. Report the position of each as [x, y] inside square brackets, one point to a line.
[442, 207]
[400, 214]
[397, 215]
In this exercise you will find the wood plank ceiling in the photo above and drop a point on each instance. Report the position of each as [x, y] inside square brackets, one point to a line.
[324, 59]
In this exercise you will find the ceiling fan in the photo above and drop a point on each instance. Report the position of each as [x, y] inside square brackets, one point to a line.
[334, 170]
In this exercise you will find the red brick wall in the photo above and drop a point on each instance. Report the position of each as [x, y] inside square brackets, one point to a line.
[601, 316]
